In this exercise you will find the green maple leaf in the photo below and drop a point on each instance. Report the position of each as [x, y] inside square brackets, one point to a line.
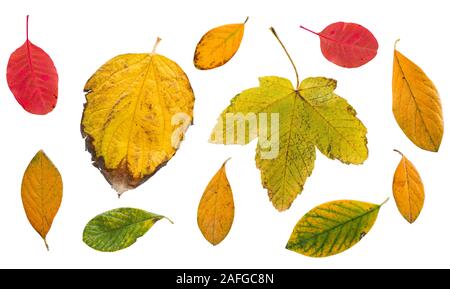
[309, 116]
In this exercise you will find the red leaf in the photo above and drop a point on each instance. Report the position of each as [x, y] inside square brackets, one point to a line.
[32, 78]
[348, 45]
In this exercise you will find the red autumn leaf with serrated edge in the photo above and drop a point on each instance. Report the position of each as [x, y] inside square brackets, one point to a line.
[348, 45]
[32, 78]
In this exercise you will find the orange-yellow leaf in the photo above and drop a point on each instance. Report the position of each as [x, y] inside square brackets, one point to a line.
[218, 46]
[408, 190]
[416, 104]
[41, 193]
[216, 209]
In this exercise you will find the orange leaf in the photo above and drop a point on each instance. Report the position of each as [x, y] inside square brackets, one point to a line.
[41, 193]
[408, 190]
[416, 104]
[216, 209]
[218, 46]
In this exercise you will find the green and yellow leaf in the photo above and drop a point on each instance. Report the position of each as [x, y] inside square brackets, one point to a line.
[118, 229]
[332, 228]
[310, 116]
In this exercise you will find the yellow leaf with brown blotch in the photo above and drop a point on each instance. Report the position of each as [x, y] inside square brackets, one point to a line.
[138, 108]
[218, 46]
[216, 209]
[416, 104]
[41, 193]
[408, 190]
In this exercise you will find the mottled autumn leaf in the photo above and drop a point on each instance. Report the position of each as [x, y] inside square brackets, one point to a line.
[138, 107]
[32, 78]
[41, 193]
[309, 115]
[408, 190]
[218, 46]
[348, 45]
[416, 104]
[118, 229]
[215, 212]
[332, 228]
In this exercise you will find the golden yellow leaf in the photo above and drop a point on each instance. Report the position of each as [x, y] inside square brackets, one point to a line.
[216, 209]
[416, 104]
[408, 190]
[41, 193]
[218, 46]
[138, 107]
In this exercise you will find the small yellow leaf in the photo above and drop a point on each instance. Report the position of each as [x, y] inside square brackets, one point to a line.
[138, 107]
[41, 193]
[216, 209]
[416, 104]
[408, 190]
[218, 46]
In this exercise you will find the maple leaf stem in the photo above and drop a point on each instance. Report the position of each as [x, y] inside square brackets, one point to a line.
[158, 40]
[28, 17]
[287, 53]
[246, 19]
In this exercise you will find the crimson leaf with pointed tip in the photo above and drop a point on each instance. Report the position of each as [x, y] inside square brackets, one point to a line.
[32, 78]
[348, 45]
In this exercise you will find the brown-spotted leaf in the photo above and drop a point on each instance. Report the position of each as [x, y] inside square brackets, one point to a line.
[41, 193]
[216, 209]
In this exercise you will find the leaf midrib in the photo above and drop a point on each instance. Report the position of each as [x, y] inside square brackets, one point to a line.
[376, 208]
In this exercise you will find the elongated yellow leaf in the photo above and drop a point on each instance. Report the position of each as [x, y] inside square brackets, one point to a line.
[216, 209]
[218, 46]
[138, 107]
[408, 190]
[41, 193]
[416, 104]
[332, 228]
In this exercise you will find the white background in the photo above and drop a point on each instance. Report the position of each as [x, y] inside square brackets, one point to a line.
[81, 36]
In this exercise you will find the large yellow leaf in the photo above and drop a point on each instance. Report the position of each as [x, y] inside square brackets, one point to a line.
[218, 46]
[216, 208]
[138, 107]
[332, 228]
[416, 104]
[309, 116]
[408, 190]
[41, 193]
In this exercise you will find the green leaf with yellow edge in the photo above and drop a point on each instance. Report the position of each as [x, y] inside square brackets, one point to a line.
[309, 116]
[138, 107]
[118, 229]
[332, 228]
